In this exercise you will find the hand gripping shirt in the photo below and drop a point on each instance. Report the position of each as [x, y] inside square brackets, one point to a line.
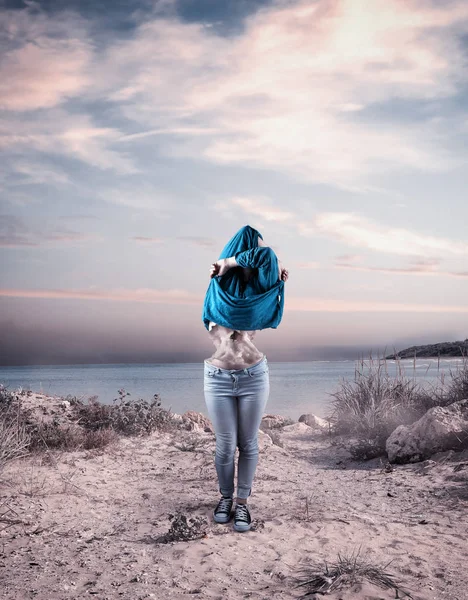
[240, 305]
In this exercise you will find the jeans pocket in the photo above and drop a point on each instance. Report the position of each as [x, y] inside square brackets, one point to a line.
[259, 373]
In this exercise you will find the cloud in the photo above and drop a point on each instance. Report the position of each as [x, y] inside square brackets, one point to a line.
[173, 296]
[198, 241]
[179, 296]
[14, 233]
[59, 133]
[77, 217]
[290, 92]
[261, 207]
[139, 196]
[147, 240]
[359, 231]
[332, 305]
[44, 59]
[420, 267]
[30, 172]
[308, 265]
[348, 258]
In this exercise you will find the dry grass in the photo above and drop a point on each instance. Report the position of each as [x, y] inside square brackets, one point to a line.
[376, 402]
[125, 416]
[191, 443]
[182, 529]
[346, 572]
[457, 387]
[14, 439]
[87, 425]
[14, 442]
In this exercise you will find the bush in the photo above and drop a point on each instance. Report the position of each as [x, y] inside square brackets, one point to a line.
[457, 388]
[375, 403]
[345, 572]
[14, 439]
[86, 426]
[127, 417]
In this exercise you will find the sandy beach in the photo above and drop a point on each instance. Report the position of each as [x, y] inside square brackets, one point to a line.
[107, 523]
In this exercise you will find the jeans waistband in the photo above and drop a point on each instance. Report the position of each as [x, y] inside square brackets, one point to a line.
[247, 370]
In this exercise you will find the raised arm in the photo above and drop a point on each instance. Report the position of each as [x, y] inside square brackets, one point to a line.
[254, 258]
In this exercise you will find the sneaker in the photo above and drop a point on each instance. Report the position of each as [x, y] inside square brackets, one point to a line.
[242, 520]
[222, 513]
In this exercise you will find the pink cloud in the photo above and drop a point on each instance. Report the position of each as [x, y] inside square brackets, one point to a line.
[263, 208]
[362, 232]
[147, 240]
[174, 296]
[52, 62]
[59, 133]
[282, 94]
[178, 296]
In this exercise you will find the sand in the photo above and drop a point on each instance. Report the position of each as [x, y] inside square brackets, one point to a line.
[92, 523]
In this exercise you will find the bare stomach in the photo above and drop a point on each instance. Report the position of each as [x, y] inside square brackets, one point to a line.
[234, 349]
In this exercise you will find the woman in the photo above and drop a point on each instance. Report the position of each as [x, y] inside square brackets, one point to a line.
[246, 294]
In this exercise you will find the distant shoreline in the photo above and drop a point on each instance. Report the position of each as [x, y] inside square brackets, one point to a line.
[441, 350]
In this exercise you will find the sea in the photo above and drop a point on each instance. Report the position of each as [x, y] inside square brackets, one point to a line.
[295, 387]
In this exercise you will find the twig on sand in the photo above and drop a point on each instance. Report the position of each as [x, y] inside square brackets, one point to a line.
[345, 572]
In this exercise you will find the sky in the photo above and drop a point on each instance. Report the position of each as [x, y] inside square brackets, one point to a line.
[137, 137]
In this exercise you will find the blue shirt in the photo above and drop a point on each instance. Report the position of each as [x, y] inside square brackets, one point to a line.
[253, 305]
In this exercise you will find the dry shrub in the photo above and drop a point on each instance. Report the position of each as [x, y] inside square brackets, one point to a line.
[375, 403]
[14, 439]
[124, 416]
[183, 530]
[191, 443]
[99, 439]
[457, 387]
[55, 436]
[88, 426]
[346, 572]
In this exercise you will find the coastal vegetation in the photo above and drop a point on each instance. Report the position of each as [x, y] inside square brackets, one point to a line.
[377, 402]
[72, 423]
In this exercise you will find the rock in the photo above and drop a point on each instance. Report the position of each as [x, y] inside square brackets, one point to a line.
[294, 436]
[439, 430]
[274, 422]
[297, 428]
[264, 441]
[314, 422]
[194, 421]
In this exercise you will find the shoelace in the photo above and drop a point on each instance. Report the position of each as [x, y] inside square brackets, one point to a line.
[242, 513]
[224, 506]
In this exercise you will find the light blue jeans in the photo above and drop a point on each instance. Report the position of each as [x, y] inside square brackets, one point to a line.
[236, 400]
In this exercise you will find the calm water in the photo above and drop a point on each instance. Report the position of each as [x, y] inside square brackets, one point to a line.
[296, 387]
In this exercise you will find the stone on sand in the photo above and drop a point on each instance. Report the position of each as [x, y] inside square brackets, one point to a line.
[273, 422]
[314, 421]
[439, 430]
[195, 421]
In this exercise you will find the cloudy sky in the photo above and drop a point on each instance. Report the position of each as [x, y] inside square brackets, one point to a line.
[137, 137]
